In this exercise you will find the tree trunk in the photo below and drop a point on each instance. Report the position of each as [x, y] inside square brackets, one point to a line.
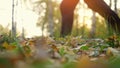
[115, 5]
[93, 26]
[13, 30]
[104, 10]
[23, 33]
[50, 18]
[110, 3]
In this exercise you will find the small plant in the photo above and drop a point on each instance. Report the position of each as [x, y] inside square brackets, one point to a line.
[84, 48]
[62, 51]
[113, 41]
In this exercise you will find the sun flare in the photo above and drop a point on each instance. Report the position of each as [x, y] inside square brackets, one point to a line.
[27, 18]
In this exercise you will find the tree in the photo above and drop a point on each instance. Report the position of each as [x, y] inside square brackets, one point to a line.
[110, 3]
[96, 5]
[49, 14]
[115, 5]
[93, 28]
[13, 30]
[104, 10]
[50, 17]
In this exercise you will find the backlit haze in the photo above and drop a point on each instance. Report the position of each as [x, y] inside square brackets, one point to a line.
[27, 18]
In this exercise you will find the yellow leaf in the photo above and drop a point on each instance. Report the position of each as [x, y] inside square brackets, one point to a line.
[6, 45]
[11, 47]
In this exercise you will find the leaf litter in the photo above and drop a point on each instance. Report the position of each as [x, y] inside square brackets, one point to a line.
[69, 52]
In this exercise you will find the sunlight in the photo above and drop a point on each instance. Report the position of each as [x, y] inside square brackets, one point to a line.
[5, 12]
[27, 18]
[46, 39]
[85, 14]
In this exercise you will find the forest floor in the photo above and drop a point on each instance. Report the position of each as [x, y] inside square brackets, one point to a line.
[69, 52]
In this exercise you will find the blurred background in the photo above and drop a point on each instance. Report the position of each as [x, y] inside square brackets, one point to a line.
[43, 18]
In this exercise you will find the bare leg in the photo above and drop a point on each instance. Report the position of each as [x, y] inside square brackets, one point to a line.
[67, 11]
[104, 10]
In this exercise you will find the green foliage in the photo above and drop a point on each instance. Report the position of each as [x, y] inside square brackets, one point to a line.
[42, 64]
[5, 63]
[101, 29]
[65, 57]
[62, 51]
[84, 48]
[103, 47]
[113, 41]
[69, 65]
[114, 62]
[6, 38]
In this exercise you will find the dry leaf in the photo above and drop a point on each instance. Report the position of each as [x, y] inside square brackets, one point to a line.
[55, 49]
[84, 62]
